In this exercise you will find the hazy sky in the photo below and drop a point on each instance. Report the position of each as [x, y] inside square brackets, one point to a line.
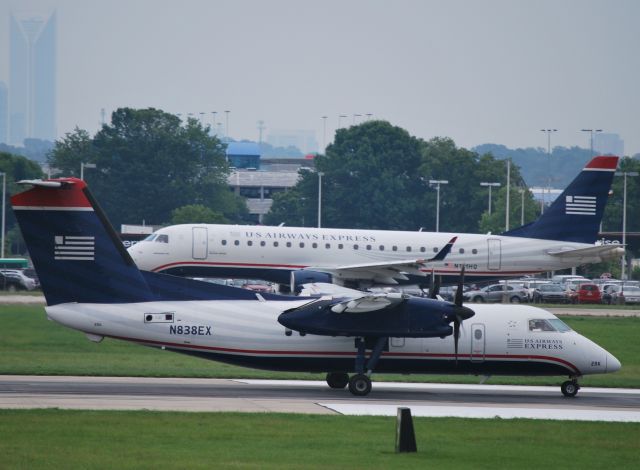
[476, 71]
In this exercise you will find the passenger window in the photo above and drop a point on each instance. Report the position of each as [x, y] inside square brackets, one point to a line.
[435, 249]
[461, 250]
[477, 334]
[288, 244]
[314, 245]
[340, 246]
[474, 251]
[249, 243]
[263, 243]
[368, 247]
[236, 242]
[408, 248]
[327, 246]
[422, 249]
[224, 242]
[355, 247]
[394, 248]
[381, 247]
[275, 243]
[162, 239]
[301, 244]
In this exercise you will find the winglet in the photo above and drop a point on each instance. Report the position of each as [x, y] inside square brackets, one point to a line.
[442, 254]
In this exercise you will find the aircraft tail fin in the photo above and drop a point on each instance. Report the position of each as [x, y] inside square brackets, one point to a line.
[576, 214]
[76, 252]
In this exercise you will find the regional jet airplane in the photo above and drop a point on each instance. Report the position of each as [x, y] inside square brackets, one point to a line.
[91, 284]
[563, 237]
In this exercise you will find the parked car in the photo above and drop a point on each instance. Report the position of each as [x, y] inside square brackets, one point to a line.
[495, 293]
[25, 281]
[587, 294]
[550, 293]
[625, 295]
[530, 285]
[10, 282]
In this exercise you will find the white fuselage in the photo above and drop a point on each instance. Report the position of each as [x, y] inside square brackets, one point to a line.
[498, 340]
[244, 251]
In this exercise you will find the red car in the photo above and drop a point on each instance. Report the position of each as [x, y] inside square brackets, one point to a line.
[587, 294]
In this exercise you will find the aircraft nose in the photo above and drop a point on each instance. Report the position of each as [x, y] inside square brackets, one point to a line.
[613, 364]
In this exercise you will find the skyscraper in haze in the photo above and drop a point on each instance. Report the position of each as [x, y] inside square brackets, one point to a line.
[32, 78]
[4, 113]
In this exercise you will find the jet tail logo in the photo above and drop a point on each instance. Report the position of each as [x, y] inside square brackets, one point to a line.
[580, 205]
[73, 248]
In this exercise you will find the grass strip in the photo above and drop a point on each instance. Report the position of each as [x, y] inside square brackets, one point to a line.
[37, 439]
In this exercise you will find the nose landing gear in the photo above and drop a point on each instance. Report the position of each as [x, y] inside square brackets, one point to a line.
[570, 388]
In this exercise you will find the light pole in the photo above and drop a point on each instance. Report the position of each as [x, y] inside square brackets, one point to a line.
[4, 196]
[84, 165]
[591, 132]
[324, 134]
[354, 118]
[227, 124]
[548, 132]
[490, 185]
[522, 191]
[624, 174]
[320, 175]
[340, 120]
[437, 184]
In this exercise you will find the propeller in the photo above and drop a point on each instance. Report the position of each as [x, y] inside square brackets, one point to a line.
[461, 313]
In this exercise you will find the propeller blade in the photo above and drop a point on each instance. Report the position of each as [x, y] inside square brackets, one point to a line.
[436, 288]
[432, 286]
[458, 299]
[456, 336]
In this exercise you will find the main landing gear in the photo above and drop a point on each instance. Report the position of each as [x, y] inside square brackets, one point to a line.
[359, 383]
[570, 388]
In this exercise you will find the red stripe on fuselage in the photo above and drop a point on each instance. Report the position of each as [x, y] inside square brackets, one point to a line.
[300, 266]
[387, 354]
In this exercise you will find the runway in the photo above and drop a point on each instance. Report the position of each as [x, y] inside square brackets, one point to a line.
[176, 394]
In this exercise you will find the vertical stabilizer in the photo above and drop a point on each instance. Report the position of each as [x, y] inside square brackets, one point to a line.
[576, 214]
[76, 252]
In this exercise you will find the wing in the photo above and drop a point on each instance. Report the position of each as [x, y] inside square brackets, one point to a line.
[591, 254]
[387, 272]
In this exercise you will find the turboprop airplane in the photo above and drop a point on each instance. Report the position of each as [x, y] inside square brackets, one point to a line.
[91, 284]
[563, 237]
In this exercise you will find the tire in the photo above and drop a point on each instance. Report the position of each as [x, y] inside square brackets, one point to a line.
[569, 388]
[478, 299]
[359, 385]
[515, 299]
[337, 379]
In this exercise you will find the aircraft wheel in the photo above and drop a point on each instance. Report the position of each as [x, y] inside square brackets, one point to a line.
[337, 379]
[569, 388]
[360, 385]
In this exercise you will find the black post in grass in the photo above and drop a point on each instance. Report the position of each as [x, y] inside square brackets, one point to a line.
[405, 437]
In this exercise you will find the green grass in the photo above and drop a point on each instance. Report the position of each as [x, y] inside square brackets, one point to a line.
[33, 439]
[29, 344]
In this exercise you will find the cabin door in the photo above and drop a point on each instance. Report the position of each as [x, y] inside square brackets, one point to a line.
[478, 342]
[200, 242]
[494, 250]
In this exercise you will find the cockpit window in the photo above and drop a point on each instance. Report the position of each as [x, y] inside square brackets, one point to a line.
[559, 325]
[162, 239]
[548, 324]
[150, 237]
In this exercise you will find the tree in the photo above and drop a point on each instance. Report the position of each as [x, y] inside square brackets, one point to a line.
[15, 168]
[148, 164]
[196, 214]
